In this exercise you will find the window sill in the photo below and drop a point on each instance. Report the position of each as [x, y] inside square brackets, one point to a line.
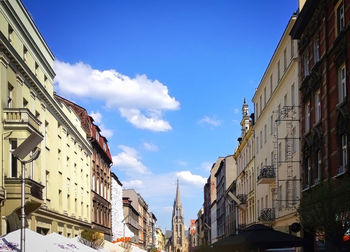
[306, 188]
[339, 174]
[342, 103]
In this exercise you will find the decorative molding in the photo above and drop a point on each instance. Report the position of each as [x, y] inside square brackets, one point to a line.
[4, 60]
[20, 78]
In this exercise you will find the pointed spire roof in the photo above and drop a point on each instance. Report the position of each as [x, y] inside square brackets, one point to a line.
[178, 197]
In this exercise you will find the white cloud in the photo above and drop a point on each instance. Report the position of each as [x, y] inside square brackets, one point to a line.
[129, 161]
[141, 121]
[236, 110]
[105, 132]
[133, 184]
[150, 146]
[211, 121]
[141, 101]
[97, 116]
[188, 177]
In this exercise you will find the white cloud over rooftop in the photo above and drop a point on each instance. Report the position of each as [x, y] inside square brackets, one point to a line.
[140, 100]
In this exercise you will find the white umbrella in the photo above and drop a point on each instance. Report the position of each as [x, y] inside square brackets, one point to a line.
[136, 249]
[62, 243]
[112, 247]
[34, 242]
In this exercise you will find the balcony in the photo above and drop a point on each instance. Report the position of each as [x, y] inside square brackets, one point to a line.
[20, 119]
[267, 215]
[267, 175]
[33, 195]
[242, 198]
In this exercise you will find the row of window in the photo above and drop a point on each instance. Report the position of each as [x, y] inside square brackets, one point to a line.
[101, 187]
[101, 215]
[25, 54]
[83, 213]
[313, 168]
[342, 93]
[263, 99]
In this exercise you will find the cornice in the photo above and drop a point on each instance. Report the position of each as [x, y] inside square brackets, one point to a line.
[4, 60]
[58, 216]
[34, 83]
[24, 32]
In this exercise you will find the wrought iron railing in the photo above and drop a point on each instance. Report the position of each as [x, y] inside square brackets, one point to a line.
[242, 198]
[267, 172]
[267, 214]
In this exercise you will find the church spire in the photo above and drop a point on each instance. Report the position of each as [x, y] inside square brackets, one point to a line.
[178, 197]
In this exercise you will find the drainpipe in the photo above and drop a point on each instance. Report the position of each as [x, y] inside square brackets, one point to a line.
[2, 163]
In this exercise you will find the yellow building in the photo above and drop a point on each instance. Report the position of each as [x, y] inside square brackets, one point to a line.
[276, 137]
[58, 182]
[245, 183]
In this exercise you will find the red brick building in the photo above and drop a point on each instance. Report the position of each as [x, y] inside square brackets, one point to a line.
[101, 161]
[322, 28]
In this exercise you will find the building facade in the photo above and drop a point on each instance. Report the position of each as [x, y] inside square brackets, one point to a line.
[132, 219]
[277, 162]
[159, 239]
[206, 213]
[145, 231]
[119, 227]
[225, 175]
[246, 177]
[58, 182]
[101, 161]
[213, 221]
[192, 236]
[322, 28]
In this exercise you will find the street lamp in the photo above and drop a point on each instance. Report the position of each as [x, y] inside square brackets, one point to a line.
[28, 145]
[123, 221]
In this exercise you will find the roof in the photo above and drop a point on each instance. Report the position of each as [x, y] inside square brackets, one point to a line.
[303, 18]
[178, 196]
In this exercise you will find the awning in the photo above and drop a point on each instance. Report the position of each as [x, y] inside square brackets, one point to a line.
[258, 236]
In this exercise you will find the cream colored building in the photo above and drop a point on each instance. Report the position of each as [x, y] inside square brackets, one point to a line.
[245, 183]
[58, 182]
[213, 209]
[276, 137]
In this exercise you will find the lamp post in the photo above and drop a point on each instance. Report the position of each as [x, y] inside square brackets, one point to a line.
[123, 221]
[28, 145]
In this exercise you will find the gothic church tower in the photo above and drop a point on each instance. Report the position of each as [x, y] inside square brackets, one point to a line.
[179, 241]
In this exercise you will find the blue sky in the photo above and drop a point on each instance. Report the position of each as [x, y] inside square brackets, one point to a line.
[164, 80]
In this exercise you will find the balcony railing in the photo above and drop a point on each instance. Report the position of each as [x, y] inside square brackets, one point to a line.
[242, 198]
[33, 194]
[20, 118]
[267, 175]
[34, 189]
[267, 215]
